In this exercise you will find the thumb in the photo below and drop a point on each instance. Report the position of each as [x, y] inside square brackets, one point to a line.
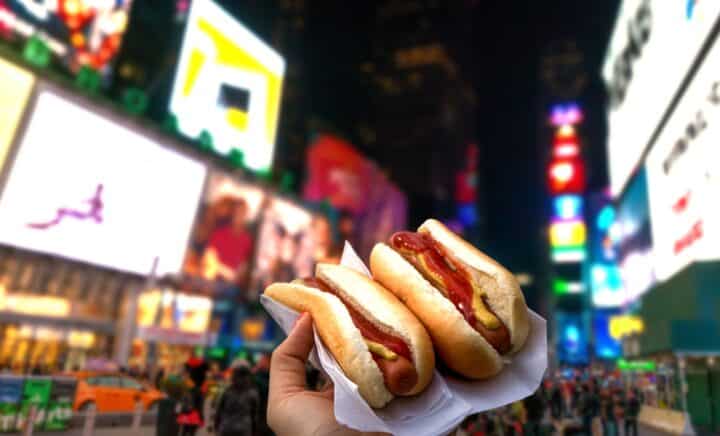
[287, 367]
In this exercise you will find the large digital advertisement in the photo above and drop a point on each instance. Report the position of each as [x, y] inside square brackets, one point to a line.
[372, 207]
[684, 177]
[287, 245]
[647, 34]
[223, 241]
[228, 84]
[571, 346]
[89, 189]
[78, 32]
[633, 240]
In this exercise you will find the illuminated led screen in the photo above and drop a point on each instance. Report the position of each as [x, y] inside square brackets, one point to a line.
[647, 34]
[77, 32]
[572, 338]
[683, 171]
[87, 188]
[229, 84]
[606, 346]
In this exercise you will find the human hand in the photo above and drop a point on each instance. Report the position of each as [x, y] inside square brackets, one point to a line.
[292, 409]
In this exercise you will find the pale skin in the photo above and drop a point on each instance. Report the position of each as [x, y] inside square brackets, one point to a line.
[292, 409]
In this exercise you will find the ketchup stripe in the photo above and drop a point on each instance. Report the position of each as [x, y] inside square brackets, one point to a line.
[368, 330]
[455, 285]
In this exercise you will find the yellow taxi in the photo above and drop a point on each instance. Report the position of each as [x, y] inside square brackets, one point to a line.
[113, 392]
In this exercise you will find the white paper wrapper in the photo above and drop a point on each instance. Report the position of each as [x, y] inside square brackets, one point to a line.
[446, 402]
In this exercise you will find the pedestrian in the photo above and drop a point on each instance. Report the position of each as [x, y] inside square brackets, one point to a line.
[159, 378]
[608, 410]
[196, 370]
[632, 410]
[585, 409]
[191, 404]
[261, 374]
[238, 412]
[535, 409]
[556, 402]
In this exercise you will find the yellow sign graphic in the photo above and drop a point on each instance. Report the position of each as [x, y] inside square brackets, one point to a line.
[229, 83]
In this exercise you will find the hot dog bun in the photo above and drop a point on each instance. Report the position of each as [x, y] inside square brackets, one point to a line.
[504, 294]
[462, 347]
[344, 341]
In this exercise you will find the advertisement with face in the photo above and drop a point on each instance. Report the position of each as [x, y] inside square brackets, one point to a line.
[79, 32]
[684, 177]
[285, 245]
[648, 33]
[87, 188]
[223, 241]
[228, 83]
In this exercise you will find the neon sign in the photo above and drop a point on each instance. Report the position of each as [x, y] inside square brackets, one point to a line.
[94, 213]
[565, 114]
[566, 176]
[625, 325]
[567, 233]
[567, 206]
[568, 254]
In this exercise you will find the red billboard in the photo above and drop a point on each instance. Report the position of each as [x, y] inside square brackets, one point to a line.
[371, 206]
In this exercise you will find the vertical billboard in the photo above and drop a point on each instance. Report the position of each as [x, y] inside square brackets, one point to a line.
[683, 170]
[78, 32]
[228, 84]
[87, 188]
[572, 344]
[285, 250]
[602, 272]
[606, 346]
[647, 34]
[371, 206]
[223, 241]
[633, 240]
[16, 85]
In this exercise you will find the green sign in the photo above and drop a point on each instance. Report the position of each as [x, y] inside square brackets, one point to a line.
[36, 52]
[135, 101]
[36, 392]
[88, 79]
[636, 365]
[59, 409]
[237, 158]
[205, 141]
[11, 390]
[217, 353]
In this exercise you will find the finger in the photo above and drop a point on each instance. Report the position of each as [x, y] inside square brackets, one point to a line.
[287, 367]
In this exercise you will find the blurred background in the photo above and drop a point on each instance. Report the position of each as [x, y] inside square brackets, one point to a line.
[162, 162]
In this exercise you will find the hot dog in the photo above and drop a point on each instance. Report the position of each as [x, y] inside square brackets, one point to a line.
[390, 352]
[377, 341]
[472, 307]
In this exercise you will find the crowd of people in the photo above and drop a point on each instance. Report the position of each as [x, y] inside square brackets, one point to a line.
[580, 402]
[589, 406]
[226, 402]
